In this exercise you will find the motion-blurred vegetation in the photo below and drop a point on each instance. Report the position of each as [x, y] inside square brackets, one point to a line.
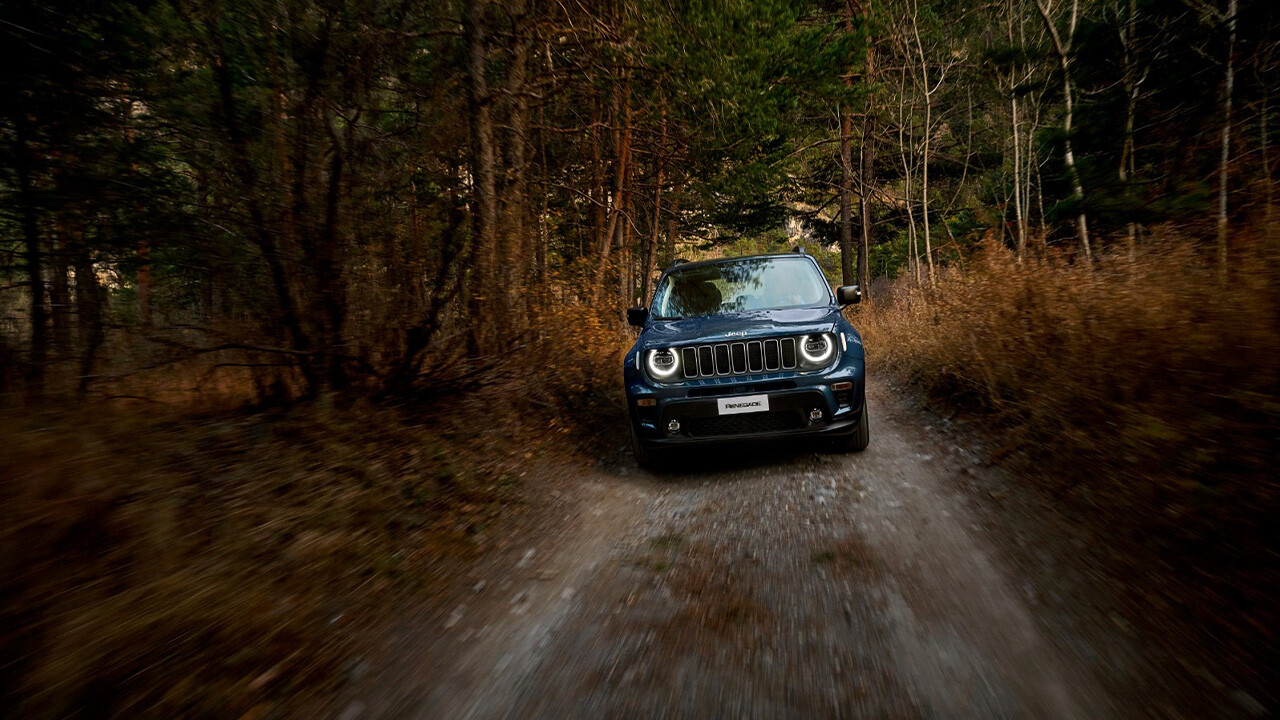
[164, 563]
[1143, 391]
[286, 284]
[221, 562]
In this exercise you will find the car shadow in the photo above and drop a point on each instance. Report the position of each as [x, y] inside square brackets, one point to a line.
[720, 462]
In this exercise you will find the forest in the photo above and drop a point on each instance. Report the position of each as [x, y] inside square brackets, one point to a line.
[316, 195]
[1062, 214]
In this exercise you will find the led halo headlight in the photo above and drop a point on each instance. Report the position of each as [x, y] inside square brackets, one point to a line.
[662, 363]
[817, 350]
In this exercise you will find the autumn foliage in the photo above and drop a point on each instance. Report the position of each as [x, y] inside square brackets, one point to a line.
[1141, 393]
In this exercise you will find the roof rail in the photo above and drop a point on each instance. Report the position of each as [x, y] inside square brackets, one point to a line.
[677, 261]
[800, 250]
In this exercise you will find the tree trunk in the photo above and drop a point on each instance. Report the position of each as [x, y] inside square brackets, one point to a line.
[866, 181]
[1268, 184]
[626, 226]
[1228, 90]
[622, 153]
[60, 291]
[1019, 213]
[23, 162]
[1131, 88]
[1033, 171]
[673, 227]
[928, 136]
[483, 200]
[651, 248]
[1019, 218]
[846, 172]
[846, 196]
[517, 255]
[544, 231]
[1063, 51]
[597, 195]
[143, 254]
[258, 231]
[626, 276]
[924, 184]
[144, 282]
[89, 326]
[906, 148]
[332, 286]
[1126, 171]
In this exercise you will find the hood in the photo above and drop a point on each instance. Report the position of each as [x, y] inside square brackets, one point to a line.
[739, 326]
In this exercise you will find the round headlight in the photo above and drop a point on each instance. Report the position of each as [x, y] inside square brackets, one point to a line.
[817, 350]
[663, 364]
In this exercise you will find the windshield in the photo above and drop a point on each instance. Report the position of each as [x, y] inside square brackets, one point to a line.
[740, 286]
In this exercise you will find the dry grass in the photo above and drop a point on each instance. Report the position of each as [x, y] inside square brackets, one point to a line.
[164, 554]
[568, 380]
[220, 567]
[1144, 393]
[1150, 364]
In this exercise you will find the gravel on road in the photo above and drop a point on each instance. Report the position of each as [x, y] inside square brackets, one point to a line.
[759, 583]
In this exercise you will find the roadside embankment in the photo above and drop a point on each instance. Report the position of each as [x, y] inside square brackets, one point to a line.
[1143, 396]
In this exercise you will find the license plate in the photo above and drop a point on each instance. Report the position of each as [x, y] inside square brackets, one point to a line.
[748, 404]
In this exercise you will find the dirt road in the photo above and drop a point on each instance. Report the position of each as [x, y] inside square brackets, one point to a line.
[806, 585]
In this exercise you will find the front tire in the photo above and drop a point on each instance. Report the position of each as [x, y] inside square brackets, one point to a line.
[646, 458]
[858, 440]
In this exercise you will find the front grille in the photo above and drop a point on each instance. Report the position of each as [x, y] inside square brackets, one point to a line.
[738, 358]
[745, 424]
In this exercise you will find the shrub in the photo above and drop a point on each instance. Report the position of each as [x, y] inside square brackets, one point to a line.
[208, 568]
[1144, 393]
[1153, 364]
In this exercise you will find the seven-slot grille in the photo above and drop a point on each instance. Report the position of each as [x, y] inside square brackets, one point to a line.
[738, 358]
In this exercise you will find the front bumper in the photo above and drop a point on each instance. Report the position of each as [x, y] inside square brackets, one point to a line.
[795, 404]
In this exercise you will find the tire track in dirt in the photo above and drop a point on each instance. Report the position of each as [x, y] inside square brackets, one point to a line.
[786, 585]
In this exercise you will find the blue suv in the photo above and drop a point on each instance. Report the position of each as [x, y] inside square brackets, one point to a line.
[744, 349]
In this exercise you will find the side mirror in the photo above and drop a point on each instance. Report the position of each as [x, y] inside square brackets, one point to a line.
[848, 294]
[637, 316]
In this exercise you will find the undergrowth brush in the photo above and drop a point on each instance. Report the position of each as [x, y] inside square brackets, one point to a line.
[566, 383]
[1144, 392]
[160, 559]
[221, 566]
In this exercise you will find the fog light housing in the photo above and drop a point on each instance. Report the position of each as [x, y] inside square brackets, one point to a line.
[673, 427]
[843, 392]
[815, 415]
